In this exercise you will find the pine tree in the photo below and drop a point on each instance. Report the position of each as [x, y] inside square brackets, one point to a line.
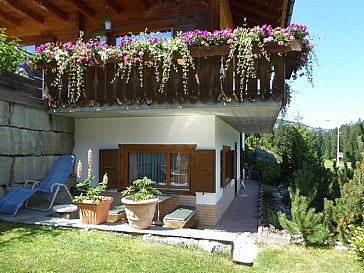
[349, 208]
[305, 221]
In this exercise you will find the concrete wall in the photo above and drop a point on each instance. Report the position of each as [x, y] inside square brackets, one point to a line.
[30, 140]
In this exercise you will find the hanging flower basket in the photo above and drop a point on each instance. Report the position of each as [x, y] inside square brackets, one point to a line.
[95, 214]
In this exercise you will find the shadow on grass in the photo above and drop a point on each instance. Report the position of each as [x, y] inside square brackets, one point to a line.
[23, 232]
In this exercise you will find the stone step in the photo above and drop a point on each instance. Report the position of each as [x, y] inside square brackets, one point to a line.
[245, 249]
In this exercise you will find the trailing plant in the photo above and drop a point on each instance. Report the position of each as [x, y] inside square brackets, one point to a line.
[10, 55]
[141, 190]
[91, 193]
[165, 54]
[305, 220]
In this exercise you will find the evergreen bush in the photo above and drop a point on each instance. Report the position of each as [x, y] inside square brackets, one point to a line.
[305, 221]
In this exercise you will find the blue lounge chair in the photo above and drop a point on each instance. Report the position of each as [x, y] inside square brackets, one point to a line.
[50, 186]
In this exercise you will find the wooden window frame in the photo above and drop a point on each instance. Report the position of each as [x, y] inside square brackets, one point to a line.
[125, 149]
[227, 165]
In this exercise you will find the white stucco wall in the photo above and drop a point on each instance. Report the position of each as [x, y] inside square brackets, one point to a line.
[107, 133]
[208, 132]
[224, 135]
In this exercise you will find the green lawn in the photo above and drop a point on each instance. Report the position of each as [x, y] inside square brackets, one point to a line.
[329, 163]
[26, 248]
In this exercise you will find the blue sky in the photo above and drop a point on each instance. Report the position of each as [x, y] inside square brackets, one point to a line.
[338, 92]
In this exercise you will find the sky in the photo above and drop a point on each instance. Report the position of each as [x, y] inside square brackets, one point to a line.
[337, 96]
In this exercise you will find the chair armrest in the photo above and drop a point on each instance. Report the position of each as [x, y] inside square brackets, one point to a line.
[57, 185]
[34, 182]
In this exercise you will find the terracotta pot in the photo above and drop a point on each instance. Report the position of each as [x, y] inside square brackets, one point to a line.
[95, 214]
[139, 214]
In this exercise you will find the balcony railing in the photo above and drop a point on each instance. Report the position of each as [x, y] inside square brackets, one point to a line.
[205, 83]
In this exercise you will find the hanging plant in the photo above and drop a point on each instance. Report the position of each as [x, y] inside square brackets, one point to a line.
[160, 53]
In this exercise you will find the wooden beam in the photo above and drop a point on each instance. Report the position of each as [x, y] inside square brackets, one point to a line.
[226, 18]
[83, 8]
[9, 19]
[114, 6]
[259, 19]
[47, 6]
[256, 20]
[79, 24]
[251, 9]
[23, 10]
[284, 13]
[270, 3]
[145, 4]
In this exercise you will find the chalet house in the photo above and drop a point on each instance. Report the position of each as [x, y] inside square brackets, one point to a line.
[188, 140]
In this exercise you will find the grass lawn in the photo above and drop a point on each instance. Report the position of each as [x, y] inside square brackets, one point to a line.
[329, 163]
[26, 248]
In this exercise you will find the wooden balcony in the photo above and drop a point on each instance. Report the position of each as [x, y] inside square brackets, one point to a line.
[205, 83]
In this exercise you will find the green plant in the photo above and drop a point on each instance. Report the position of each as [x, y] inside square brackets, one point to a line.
[349, 208]
[91, 193]
[269, 172]
[357, 240]
[272, 218]
[105, 17]
[305, 221]
[141, 190]
[10, 55]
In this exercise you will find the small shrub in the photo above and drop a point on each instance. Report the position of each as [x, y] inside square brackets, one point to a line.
[357, 241]
[10, 55]
[272, 218]
[267, 191]
[269, 172]
[305, 221]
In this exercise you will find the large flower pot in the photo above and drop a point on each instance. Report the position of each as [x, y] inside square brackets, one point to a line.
[95, 214]
[139, 214]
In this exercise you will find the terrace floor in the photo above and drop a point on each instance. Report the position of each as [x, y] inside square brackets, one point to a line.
[237, 226]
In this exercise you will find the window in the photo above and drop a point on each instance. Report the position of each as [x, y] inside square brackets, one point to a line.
[160, 34]
[227, 166]
[168, 166]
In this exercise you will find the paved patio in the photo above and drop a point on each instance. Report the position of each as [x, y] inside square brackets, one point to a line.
[237, 226]
[242, 214]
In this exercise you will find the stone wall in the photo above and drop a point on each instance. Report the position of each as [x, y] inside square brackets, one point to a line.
[30, 140]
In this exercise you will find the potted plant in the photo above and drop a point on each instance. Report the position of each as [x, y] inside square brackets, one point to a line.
[140, 201]
[94, 208]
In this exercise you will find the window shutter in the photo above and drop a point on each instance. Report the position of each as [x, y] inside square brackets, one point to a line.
[109, 163]
[235, 164]
[203, 171]
[226, 163]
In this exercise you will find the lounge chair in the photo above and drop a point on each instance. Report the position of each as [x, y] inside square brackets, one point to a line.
[50, 187]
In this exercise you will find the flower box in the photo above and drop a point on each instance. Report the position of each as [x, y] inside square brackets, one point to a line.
[215, 50]
[224, 50]
[44, 65]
